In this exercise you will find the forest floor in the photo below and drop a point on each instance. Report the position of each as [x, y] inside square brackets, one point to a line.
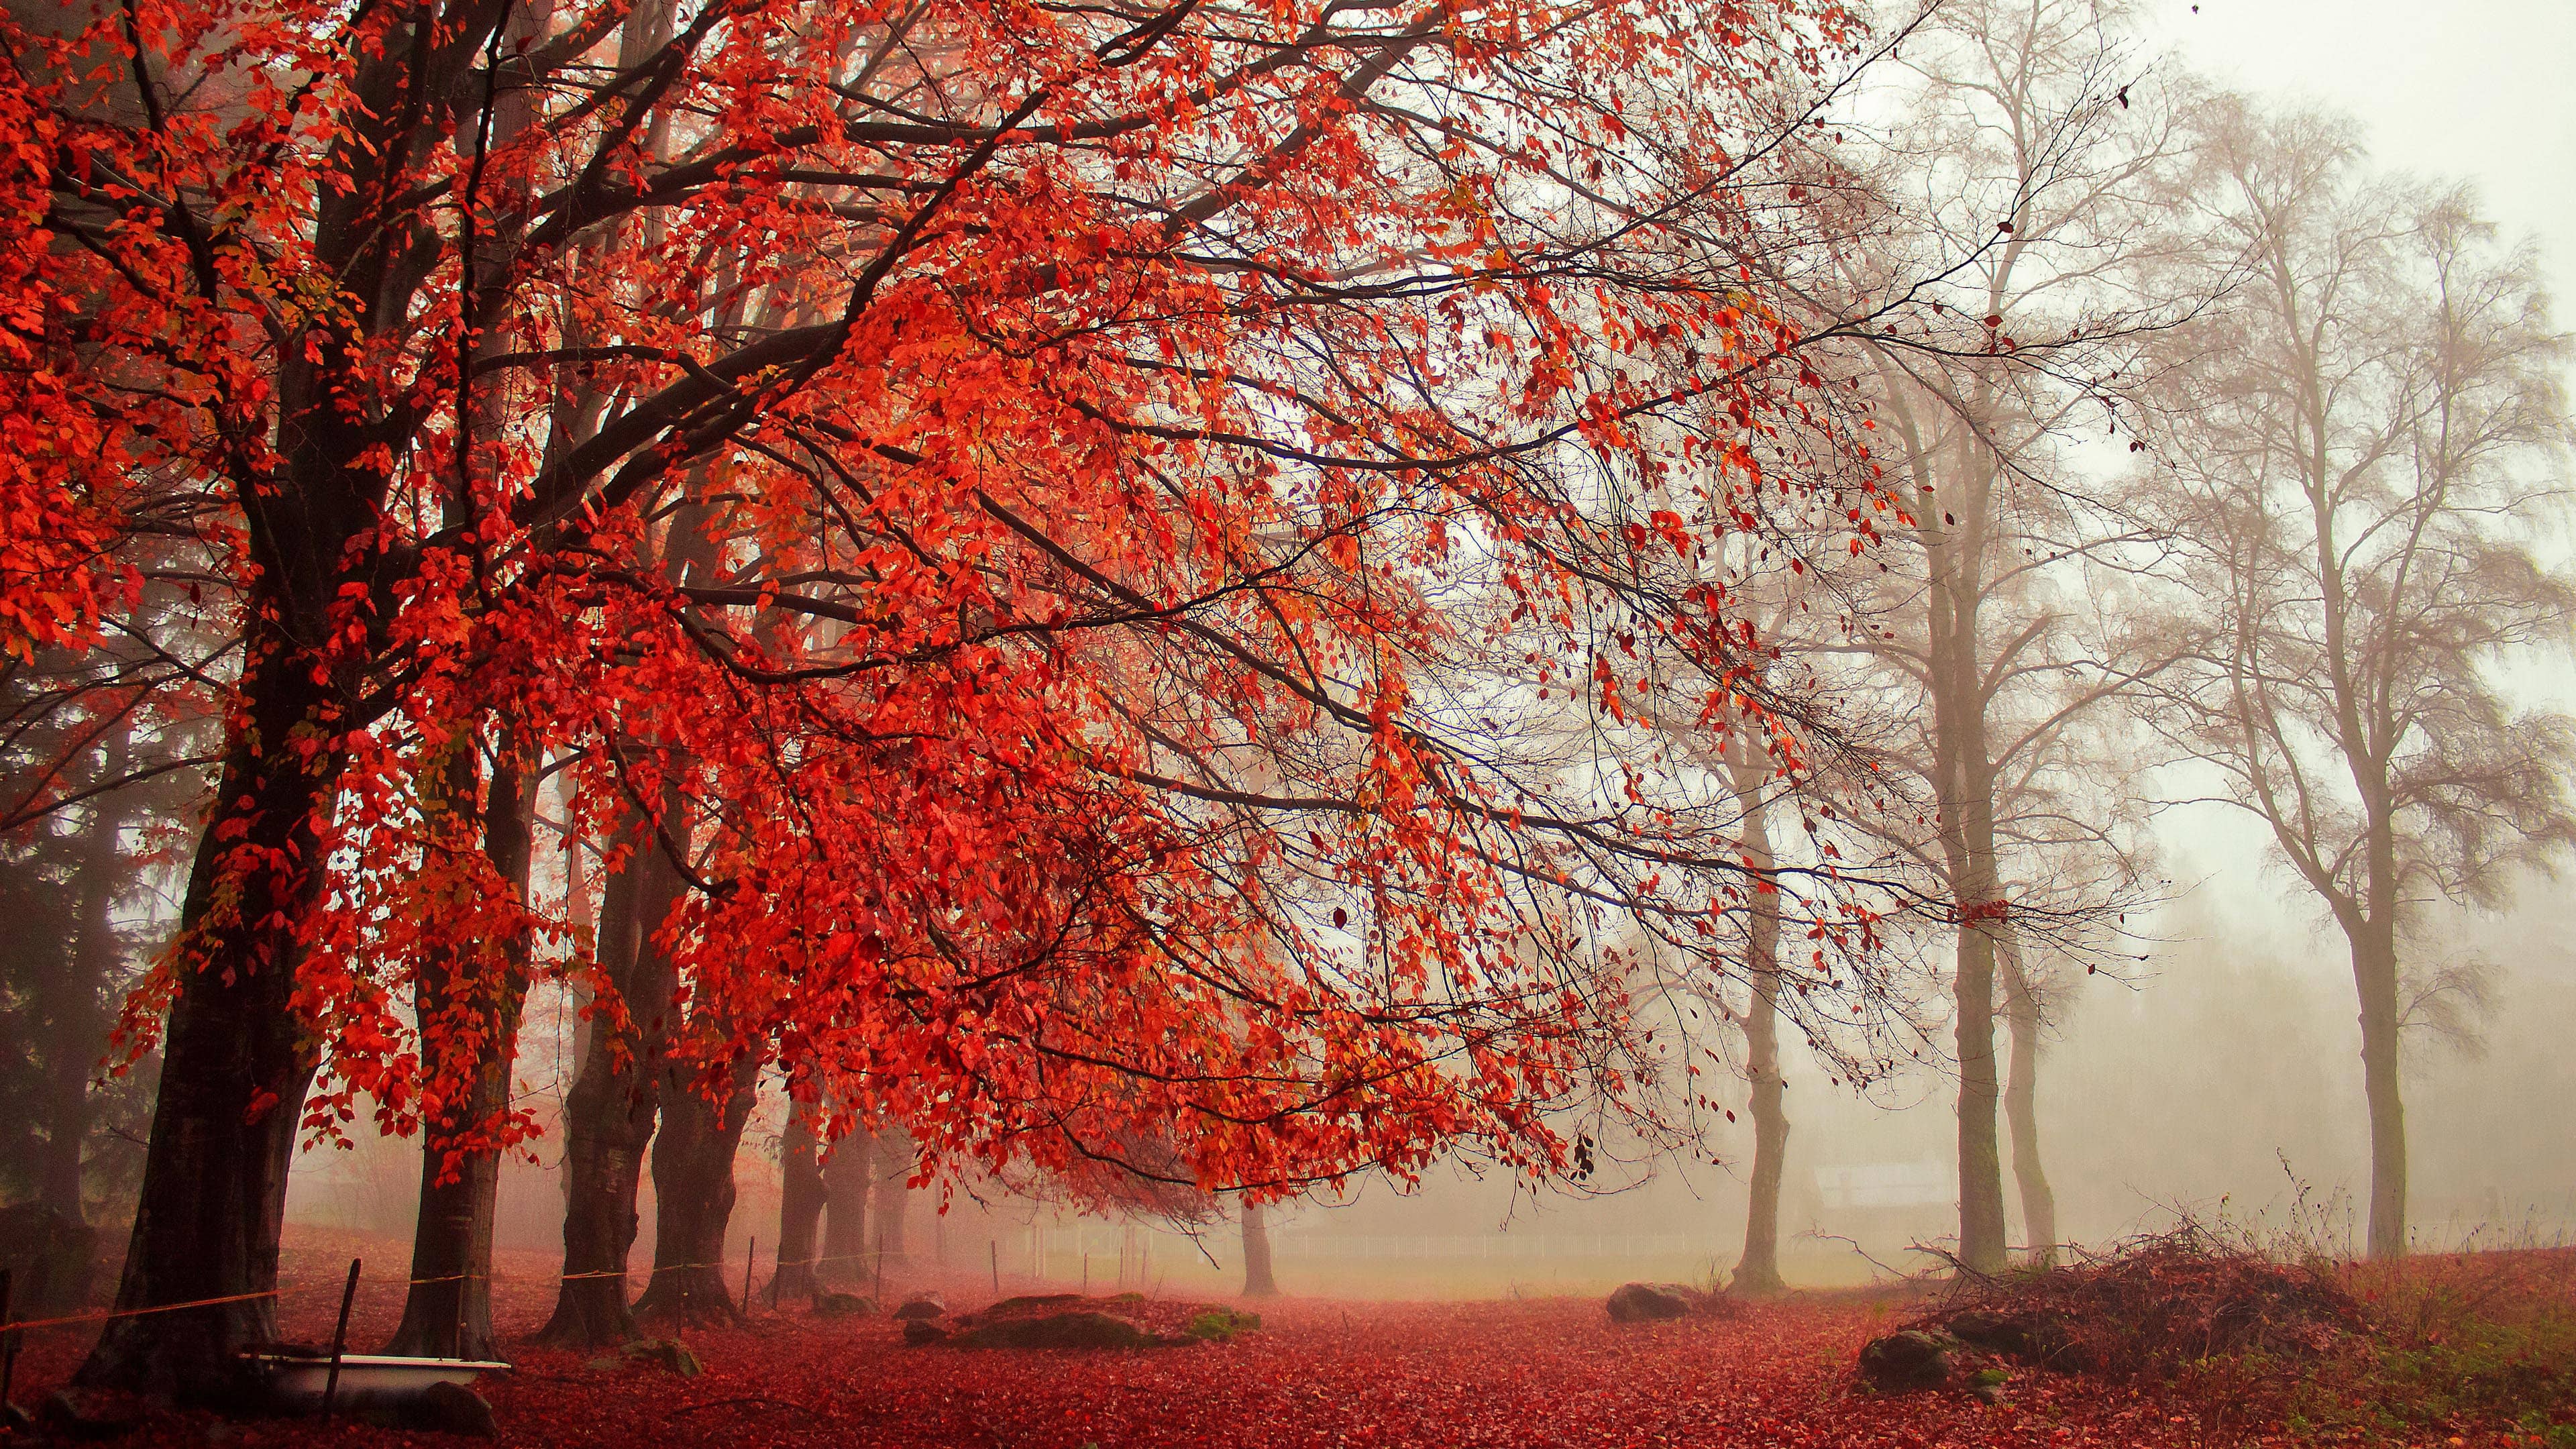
[1527, 1374]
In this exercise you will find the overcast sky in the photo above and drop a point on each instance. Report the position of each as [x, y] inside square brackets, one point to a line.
[2480, 89]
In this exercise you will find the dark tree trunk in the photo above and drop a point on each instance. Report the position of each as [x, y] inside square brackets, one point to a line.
[1758, 1270]
[1982, 1231]
[693, 1194]
[1968, 798]
[2021, 1110]
[2374, 965]
[1258, 1280]
[890, 1156]
[846, 1173]
[801, 1198]
[609, 1114]
[471, 1007]
[236, 1062]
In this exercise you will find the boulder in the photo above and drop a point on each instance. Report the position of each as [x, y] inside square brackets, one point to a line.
[1646, 1302]
[843, 1305]
[450, 1409]
[1057, 1330]
[90, 1414]
[667, 1353]
[2030, 1337]
[1906, 1360]
[920, 1331]
[1032, 1300]
[922, 1305]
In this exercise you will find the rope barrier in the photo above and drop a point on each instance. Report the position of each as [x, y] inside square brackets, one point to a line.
[104, 1315]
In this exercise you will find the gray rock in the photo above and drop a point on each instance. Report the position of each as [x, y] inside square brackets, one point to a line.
[919, 1331]
[1906, 1360]
[2029, 1337]
[1033, 1300]
[667, 1353]
[1644, 1302]
[452, 1409]
[922, 1305]
[843, 1305]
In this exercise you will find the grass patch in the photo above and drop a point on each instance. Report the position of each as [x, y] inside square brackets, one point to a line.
[1220, 1325]
[2474, 1340]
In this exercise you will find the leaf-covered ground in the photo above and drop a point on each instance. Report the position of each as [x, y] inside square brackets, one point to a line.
[1318, 1375]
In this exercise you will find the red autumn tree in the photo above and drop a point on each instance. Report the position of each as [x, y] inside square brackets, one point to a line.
[990, 502]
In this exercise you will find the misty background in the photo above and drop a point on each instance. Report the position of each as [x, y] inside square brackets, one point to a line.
[2215, 1070]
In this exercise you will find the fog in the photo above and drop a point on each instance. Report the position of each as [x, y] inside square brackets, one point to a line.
[2122, 595]
[2213, 1070]
[2219, 1079]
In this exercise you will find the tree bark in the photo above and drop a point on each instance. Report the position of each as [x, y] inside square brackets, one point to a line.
[801, 1198]
[1982, 1231]
[846, 1174]
[1758, 1269]
[236, 1061]
[2374, 967]
[467, 1006]
[693, 1194]
[1966, 783]
[609, 1113]
[1258, 1279]
[2021, 1110]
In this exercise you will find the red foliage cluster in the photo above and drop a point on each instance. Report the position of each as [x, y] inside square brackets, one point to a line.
[1033, 515]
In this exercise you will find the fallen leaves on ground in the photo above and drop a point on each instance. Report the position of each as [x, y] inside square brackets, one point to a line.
[1317, 1375]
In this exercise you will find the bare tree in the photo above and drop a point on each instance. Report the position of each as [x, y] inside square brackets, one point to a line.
[2367, 438]
[2024, 183]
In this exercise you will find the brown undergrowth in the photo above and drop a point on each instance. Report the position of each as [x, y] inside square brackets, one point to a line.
[2479, 1344]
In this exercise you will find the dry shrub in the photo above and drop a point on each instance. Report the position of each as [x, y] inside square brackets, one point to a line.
[2152, 1305]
